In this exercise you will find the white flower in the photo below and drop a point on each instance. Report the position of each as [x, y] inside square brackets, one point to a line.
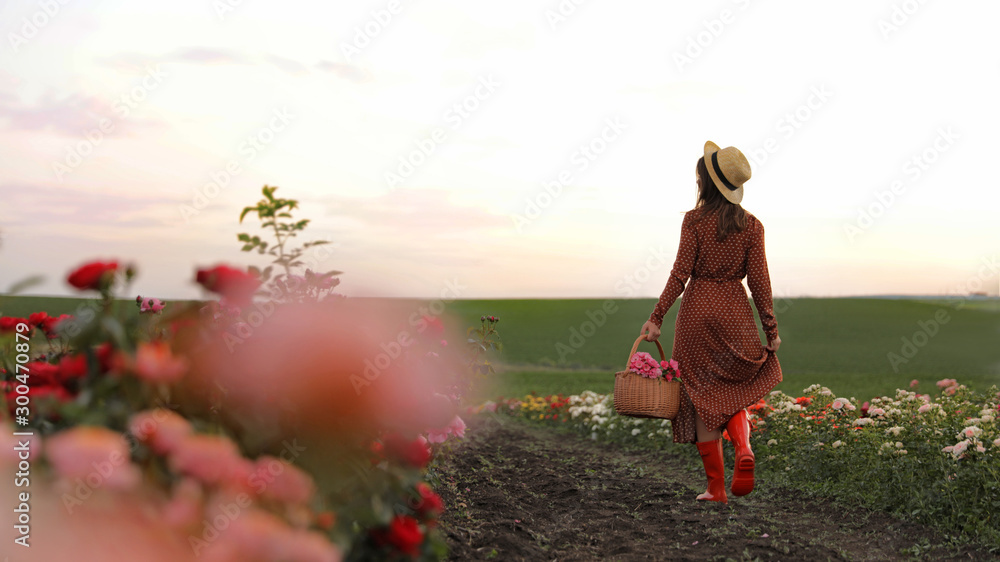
[971, 431]
[862, 421]
[899, 445]
[959, 448]
[996, 442]
[837, 443]
[771, 442]
[593, 436]
[611, 426]
[635, 431]
[839, 403]
[651, 435]
[900, 451]
[894, 430]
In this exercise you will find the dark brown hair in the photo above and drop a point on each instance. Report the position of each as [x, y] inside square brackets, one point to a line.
[732, 217]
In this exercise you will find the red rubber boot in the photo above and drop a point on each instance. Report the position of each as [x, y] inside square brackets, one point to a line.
[711, 457]
[739, 432]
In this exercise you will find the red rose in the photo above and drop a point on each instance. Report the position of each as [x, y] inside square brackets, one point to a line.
[36, 318]
[9, 324]
[403, 534]
[430, 504]
[234, 285]
[93, 276]
[326, 520]
[50, 324]
[415, 453]
[72, 367]
[42, 373]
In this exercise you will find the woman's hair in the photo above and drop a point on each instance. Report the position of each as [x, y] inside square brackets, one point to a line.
[732, 217]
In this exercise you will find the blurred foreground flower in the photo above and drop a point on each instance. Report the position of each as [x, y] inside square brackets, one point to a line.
[235, 285]
[342, 368]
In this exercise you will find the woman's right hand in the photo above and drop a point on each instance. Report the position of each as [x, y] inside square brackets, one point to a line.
[650, 330]
[774, 344]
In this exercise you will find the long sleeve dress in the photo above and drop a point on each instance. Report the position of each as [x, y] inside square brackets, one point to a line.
[723, 365]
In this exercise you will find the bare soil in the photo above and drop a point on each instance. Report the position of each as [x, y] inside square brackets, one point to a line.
[516, 491]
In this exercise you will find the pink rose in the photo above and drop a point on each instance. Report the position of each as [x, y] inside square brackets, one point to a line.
[155, 363]
[149, 304]
[161, 429]
[210, 459]
[96, 455]
[281, 481]
[457, 426]
[185, 506]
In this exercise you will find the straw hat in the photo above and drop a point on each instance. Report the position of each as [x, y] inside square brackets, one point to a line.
[729, 170]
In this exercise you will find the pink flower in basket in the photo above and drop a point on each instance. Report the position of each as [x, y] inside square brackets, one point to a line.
[643, 364]
[671, 370]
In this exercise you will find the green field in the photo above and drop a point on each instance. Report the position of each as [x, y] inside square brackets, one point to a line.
[842, 343]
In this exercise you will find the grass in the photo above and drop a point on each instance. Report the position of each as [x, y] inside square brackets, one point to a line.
[569, 345]
[842, 343]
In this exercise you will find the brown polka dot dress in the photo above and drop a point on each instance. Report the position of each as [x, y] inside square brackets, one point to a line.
[723, 364]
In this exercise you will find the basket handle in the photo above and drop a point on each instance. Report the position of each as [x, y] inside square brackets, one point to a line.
[635, 347]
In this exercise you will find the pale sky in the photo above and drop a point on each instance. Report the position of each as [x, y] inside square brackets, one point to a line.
[835, 104]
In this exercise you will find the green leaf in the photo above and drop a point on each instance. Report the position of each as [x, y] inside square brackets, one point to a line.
[26, 283]
[247, 247]
[245, 211]
[243, 237]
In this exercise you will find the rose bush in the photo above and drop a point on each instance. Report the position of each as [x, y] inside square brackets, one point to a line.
[199, 431]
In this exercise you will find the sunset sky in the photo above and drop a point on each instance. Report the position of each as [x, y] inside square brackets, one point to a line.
[871, 128]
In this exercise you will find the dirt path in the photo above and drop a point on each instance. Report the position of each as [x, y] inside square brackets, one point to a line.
[519, 492]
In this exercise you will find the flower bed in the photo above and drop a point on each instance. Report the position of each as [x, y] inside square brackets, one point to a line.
[931, 459]
[299, 428]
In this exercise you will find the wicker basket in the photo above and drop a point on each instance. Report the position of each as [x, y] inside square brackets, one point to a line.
[639, 397]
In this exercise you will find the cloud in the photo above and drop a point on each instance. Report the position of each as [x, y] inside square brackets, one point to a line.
[345, 71]
[212, 56]
[423, 212]
[415, 225]
[70, 115]
[69, 209]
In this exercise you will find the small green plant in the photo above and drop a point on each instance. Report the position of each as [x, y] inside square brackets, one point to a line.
[275, 215]
[481, 341]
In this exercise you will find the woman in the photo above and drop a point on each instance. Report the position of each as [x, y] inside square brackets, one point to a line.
[723, 365]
